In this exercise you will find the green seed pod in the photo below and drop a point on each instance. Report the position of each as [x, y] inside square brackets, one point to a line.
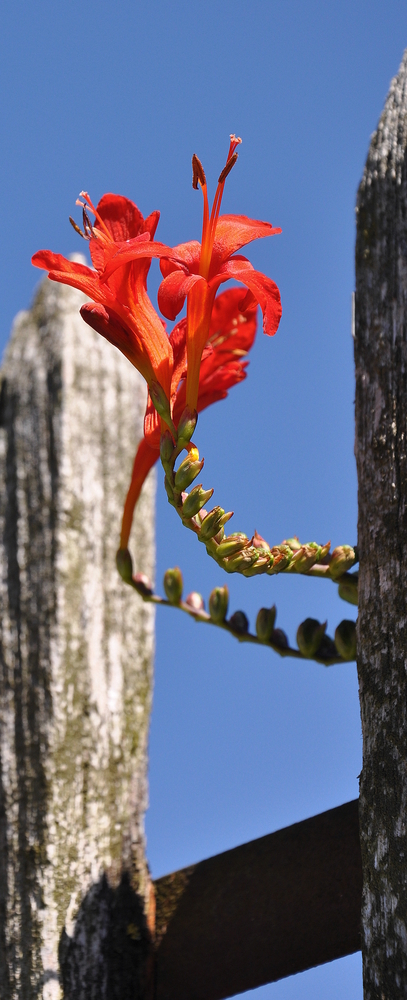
[218, 604]
[345, 639]
[342, 558]
[173, 584]
[309, 636]
[124, 565]
[239, 622]
[160, 400]
[187, 472]
[348, 589]
[195, 501]
[265, 622]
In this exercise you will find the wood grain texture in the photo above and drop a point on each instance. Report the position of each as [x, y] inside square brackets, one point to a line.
[76, 651]
[381, 425]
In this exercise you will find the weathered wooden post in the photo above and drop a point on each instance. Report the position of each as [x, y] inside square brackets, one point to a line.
[381, 453]
[75, 667]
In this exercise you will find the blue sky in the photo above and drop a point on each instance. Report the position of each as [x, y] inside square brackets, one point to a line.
[118, 98]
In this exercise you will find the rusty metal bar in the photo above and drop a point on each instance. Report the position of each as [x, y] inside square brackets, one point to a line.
[262, 911]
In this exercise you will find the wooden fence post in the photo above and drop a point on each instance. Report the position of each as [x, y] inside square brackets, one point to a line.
[75, 665]
[381, 439]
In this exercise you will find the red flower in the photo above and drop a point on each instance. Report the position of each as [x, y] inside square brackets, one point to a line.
[194, 271]
[123, 313]
[231, 335]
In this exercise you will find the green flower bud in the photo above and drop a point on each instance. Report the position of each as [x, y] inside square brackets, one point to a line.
[166, 448]
[239, 622]
[124, 565]
[342, 558]
[293, 543]
[305, 557]
[232, 544]
[238, 562]
[259, 565]
[186, 426]
[195, 500]
[345, 639]
[212, 523]
[348, 589]
[265, 622]
[282, 556]
[160, 401]
[173, 584]
[188, 471]
[218, 604]
[309, 636]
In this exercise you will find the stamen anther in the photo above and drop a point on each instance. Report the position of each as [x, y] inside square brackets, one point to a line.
[76, 228]
[198, 173]
[226, 170]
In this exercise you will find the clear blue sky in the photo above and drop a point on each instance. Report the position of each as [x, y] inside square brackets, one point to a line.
[118, 97]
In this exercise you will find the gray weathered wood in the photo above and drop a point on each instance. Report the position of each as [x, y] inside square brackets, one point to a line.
[381, 427]
[75, 666]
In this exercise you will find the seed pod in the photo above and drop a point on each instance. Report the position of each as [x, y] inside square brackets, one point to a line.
[309, 636]
[265, 623]
[124, 565]
[345, 639]
[173, 584]
[195, 601]
[239, 622]
[166, 448]
[218, 604]
[348, 589]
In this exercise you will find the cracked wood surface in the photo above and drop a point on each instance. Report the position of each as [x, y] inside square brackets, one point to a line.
[75, 664]
[381, 424]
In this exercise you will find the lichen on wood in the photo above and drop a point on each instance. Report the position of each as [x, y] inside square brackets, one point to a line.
[381, 426]
[75, 665]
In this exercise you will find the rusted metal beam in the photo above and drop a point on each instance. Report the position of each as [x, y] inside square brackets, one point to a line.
[263, 911]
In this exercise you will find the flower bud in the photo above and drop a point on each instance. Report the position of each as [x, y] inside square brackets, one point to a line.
[282, 556]
[265, 623]
[348, 589]
[258, 542]
[186, 426]
[212, 523]
[345, 639]
[168, 489]
[305, 557]
[309, 636]
[342, 558]
[259, 565]
[166, 448]
[160, 401]
[195, 500]
[293, 543]
[218, 604]
[187, 472]
[239, 622]
[195, 601]
[238, 562]
[173, 584]
[124, 565]
[232, 544]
